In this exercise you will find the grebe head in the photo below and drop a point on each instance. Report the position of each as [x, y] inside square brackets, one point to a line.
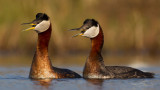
[90, 28]
[40, 24]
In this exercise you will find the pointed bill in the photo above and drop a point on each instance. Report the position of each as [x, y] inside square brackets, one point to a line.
[83, 27]
[28, 24]
[76, 29]
[32, 28]
[79, 34]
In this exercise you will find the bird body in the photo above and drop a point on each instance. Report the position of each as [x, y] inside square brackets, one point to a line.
[41, 65]
[94, 66]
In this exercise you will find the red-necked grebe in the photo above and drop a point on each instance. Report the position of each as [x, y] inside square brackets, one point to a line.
[41, 65]
[94, 66]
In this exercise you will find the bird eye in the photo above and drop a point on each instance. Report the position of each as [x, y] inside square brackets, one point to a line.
[87, 27]
[33, 25]
[83, 31]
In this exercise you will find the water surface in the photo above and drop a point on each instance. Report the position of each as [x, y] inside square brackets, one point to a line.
[16, 78]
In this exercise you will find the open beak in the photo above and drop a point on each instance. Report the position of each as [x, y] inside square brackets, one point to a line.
[33, 24]
[82, 29]
[31, 28]
[79, 34]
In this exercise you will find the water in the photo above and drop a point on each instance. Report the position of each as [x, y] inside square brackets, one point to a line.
[16, 78]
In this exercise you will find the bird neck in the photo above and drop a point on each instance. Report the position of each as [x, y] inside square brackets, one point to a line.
[41, 58]
[97, 44]
[95, 62]
[43, 42]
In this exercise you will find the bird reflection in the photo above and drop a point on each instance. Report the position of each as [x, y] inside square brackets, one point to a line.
[42, 82]
[97, 84]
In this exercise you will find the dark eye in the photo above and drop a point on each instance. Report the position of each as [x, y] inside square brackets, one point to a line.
[87, 27]
[33, 25]
[83, 31]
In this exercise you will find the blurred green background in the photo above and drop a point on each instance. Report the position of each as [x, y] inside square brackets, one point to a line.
[131, 29]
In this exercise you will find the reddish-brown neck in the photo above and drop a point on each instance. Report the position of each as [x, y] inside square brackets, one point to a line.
[41, 65]
[94, 63]
[41, 57]
[97, 44]
[43, 41]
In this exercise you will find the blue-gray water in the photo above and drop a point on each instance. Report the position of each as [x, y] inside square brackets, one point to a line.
[16, 78]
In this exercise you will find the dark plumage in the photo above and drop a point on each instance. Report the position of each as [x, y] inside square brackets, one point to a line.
[127, 72]
[94, 66]
[41, 67]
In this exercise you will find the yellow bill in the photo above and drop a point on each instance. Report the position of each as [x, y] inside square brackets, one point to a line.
[32, 24]
[29, 29]
[79, 34]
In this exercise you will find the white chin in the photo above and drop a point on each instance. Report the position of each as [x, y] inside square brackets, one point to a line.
[42, 26]
[91, 32]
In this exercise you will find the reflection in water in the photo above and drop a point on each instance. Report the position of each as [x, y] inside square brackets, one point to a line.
[43, 83]
[97, 83]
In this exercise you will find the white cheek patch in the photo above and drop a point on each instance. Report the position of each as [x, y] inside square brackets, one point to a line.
[91, 32]
[42, 26]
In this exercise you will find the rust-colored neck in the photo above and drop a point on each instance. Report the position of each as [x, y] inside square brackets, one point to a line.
[97, 44]
[94, 63]
[41, 65]
[43, 41]
[42, 48]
